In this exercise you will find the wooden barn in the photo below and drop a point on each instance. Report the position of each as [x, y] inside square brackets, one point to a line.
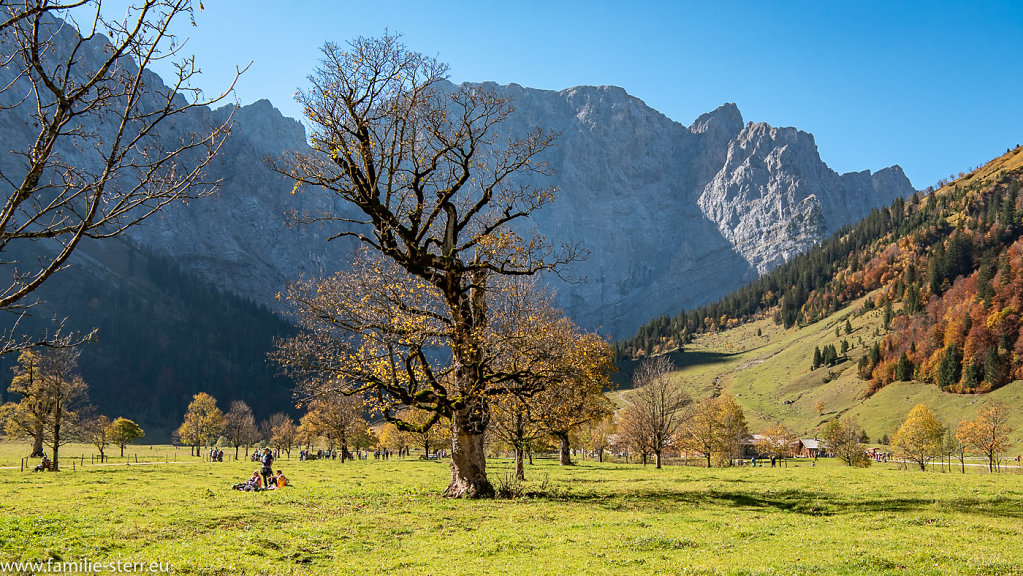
[810, 448]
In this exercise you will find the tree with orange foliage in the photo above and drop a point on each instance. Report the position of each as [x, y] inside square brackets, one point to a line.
[376, 329]
[658, 403]
[632, 433]
[776, 441]
[716, 428]
[338, 418]
[434, 436]
[565, 370]
[203, 422]
[988, 433]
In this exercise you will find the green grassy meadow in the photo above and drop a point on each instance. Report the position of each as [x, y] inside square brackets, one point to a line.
[386, 517]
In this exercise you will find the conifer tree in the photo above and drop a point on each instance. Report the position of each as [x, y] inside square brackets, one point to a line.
[950, 368]
[904, 368]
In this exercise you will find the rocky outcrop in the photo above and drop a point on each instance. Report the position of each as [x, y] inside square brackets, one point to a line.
[774, 197]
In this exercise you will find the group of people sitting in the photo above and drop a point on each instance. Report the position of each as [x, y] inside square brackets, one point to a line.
[259, 482]
[44, 466]
[264, 478]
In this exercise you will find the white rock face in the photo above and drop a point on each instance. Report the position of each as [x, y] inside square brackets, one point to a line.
[672, 217]
[774, 197]
[675, 217]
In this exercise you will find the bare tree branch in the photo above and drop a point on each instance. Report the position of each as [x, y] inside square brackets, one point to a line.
[111, 146]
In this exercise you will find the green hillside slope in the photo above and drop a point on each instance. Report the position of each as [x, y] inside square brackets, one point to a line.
[770, 375]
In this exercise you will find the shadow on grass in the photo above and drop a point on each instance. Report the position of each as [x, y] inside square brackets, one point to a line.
[797, 501]
[623, 377]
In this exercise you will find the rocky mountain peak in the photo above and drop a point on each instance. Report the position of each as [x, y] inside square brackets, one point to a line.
[724, 122]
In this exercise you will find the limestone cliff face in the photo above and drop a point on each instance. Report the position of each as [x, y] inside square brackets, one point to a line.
[628, 180]
[240, 238]
[672, 216]
[774, 197]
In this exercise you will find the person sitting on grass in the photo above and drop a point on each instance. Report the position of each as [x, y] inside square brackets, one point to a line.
[282, 481]
[44, 465]
[253, 484]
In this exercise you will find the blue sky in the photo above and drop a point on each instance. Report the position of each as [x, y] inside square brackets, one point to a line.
[933, 86]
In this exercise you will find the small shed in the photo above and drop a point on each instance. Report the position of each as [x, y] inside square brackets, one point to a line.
[749, 446]
[809, 447]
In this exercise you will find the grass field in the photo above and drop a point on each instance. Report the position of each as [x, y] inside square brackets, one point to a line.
[386, 517]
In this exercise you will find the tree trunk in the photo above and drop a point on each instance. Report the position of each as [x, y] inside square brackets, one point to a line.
[657, 459]
[600, 455]
[708, 459]
[468, 459]
[56, 447]
[37, 445]
[426, 448]
[236, 452]
[564, 454]
[520, 467]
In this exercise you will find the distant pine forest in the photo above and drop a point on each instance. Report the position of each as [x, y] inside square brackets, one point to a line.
[163, 335]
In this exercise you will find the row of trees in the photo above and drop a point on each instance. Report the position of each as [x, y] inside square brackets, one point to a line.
[339, 420]
[923, 438]
[53, 406]
[662, 416]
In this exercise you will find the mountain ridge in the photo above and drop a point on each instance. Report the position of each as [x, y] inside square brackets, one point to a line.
[672, 216]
